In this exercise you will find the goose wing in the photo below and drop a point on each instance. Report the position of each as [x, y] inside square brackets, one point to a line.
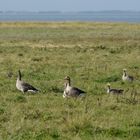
[131, 78]
[116, 90]
[28, 87]
[121, 90]
[75, 91]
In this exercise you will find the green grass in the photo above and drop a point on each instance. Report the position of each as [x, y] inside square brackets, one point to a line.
[92, 54]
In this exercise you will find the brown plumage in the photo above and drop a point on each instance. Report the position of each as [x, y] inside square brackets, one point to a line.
[70, 91]
[126, 77]
[114, 91]
[23, 86]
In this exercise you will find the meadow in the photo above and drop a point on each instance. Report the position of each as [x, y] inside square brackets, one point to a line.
[92, 54]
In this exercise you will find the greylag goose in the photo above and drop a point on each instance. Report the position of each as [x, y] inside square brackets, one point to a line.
[114, 91]
[23, 86]
[70, 91]
[126, 77]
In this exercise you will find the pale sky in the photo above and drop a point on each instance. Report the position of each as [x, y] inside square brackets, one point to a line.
[69, 5]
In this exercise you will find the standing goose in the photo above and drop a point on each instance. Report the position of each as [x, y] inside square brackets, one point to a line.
[126, 77]
[70, 91]
[24, 87]
[114, 91]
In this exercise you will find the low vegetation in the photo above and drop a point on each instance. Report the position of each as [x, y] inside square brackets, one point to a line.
[92, 54]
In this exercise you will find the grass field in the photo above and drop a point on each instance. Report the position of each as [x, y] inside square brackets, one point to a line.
[92, 54]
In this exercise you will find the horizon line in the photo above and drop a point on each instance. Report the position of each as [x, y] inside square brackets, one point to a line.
[59, 11]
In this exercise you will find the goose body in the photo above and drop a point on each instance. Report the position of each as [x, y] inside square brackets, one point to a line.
[114, 91]
[23, 86]
[126, 77]
[70, 91]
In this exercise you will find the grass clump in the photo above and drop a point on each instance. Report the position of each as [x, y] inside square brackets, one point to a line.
[20, 99]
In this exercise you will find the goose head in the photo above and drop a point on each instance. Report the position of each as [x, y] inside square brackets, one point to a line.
[108, 87]
[67, 80]
[125, 71]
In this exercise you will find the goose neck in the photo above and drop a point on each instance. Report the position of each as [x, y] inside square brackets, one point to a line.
[19, 76]
[124, 73]
[68, 83]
